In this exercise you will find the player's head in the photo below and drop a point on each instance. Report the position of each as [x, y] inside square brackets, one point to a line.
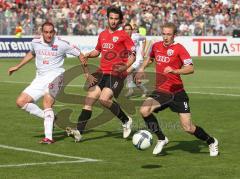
[115, 17]
[128, 28]
[169, 31]
[48, 32]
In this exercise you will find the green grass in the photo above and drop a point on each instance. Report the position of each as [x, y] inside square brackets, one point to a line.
[210, 89]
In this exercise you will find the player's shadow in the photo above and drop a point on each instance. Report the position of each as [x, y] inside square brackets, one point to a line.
[151, 166]
[194, 146]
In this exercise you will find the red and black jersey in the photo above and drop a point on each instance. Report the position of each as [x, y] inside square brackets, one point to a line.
[174, 56]
[115, 48]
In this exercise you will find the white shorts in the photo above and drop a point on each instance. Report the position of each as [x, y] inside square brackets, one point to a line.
[47, 83]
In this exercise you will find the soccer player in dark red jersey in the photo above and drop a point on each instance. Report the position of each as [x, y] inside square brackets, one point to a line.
[172, 60]
[117, 55]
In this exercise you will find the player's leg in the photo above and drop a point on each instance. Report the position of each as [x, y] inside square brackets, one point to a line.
[92, 96]
[156, 102]
[130, 82]
[146, 110]
[106, 100]
[26, 102]
[188, 126]
[49, 116]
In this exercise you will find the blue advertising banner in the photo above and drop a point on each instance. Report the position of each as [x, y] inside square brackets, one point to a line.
[14, 47]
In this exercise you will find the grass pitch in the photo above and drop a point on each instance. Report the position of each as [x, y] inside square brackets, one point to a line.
[214, 91]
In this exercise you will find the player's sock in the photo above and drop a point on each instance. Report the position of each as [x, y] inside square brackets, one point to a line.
[117, 111]
[153, 125]
[33, 109]
[201, 134]
[143, 88]
[83, 119]
[48, 122]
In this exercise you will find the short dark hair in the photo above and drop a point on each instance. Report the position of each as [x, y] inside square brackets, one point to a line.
[128, 25]
[47, 23]
[115, 10]
[170, 25]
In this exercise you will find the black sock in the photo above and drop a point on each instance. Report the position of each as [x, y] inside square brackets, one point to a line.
[153, 125]
[201, 134]
[117, 111]
[83, 119]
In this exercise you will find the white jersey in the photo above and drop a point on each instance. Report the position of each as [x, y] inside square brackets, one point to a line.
[50, 57]
[138, 42]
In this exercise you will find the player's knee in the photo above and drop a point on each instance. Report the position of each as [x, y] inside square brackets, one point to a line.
[20, 102]
[104, 102]
[145, 111]
[187, 128]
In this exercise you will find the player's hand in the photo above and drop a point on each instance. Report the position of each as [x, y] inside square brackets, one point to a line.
[11, 70]
[139, 76]
[83, 59]
[91, 79]
[119, 68]
[168, 69]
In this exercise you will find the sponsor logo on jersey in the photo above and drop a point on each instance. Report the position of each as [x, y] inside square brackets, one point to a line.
[162, 59]
[115, 39]
[108, 45]
[170, 52]
[54, 47]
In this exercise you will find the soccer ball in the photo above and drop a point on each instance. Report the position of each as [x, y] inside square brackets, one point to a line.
[142, 139]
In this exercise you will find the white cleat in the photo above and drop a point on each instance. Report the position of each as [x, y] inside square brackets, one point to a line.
[159, 146]
[75, 133]
[213, 148]
[127, 128]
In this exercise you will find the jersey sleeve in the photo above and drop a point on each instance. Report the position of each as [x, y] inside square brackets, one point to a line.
[72, 50]
[31, 48]
[98, 46]
[185, 57]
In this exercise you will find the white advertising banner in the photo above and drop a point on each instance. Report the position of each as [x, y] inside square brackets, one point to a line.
[196, 45]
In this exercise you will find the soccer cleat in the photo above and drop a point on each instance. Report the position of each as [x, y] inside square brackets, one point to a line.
[127, 128]
[159, 146]
[46, 141]
[213, 148]
[75, 133]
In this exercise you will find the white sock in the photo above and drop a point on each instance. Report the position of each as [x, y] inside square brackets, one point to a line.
[48, 122]
[33, 109]
[143, 88]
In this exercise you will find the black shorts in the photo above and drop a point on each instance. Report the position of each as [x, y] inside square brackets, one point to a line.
[109, 81]
[178, 102]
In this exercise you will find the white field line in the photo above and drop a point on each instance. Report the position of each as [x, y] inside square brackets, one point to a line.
[216, 94]
[200, 87]
[47, 153]
[43, 163]
[197, 92]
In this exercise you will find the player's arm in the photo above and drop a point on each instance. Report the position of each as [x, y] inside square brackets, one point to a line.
[93, 54]
[29, 56]
[90, 78]
[185, 70]
[187, 67]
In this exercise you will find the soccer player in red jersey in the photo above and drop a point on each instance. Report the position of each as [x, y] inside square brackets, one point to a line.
[172, 60]
[117, 55]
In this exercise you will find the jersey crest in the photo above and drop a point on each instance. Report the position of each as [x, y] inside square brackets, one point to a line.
[115, 39]
[170, 52]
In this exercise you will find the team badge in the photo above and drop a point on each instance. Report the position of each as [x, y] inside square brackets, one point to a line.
[115, 39]
[170, 52]
[54, 47]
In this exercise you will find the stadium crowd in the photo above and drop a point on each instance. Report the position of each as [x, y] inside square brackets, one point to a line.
[87, 17]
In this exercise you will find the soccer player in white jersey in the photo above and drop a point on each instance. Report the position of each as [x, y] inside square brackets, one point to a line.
[139, 42]
[49, 52]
